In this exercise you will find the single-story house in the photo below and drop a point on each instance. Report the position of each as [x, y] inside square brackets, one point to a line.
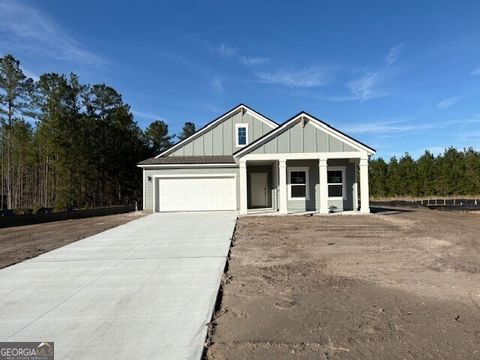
[245, 161]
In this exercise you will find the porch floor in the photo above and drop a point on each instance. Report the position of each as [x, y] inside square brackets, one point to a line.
[274, 212]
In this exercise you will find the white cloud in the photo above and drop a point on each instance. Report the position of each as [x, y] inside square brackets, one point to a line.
[227, 51]
[393, 54]
[386, 127]
[306, 78]
[27, 29]
[148, 115]
[469, 138]
[448, 102]
[407, 124]
[367, 87]
[372, 84]
[463, 123]
[253, 60]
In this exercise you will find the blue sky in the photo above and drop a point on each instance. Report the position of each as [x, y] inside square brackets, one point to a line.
[400, 76]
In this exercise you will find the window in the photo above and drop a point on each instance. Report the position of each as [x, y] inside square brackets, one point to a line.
[336, 182]
[298, 183]
[242, 134]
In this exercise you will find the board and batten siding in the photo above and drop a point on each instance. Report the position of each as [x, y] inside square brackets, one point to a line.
[148, 185]
[221, 139]
[300, 138]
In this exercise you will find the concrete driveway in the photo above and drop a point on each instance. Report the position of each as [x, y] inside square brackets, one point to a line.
[143, 290]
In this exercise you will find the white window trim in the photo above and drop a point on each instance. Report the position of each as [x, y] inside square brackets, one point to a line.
[307, 187]
[237, 126]
[344, 187]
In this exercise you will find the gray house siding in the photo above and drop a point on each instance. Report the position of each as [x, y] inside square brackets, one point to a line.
[221, 139]
[303, 139]
[148, 185]
[313, 203]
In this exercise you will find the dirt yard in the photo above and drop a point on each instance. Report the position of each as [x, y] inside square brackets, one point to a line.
[394, 285]
[24, 242]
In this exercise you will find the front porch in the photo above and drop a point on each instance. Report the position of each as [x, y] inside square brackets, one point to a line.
[303, 183]
[272, 212]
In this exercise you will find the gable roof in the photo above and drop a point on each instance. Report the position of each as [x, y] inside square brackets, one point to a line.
[215, 122]
[317, 122]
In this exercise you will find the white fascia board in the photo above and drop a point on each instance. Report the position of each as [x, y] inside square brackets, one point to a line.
[149, 166]
[260, 117]
[307, 156]
[214, 123]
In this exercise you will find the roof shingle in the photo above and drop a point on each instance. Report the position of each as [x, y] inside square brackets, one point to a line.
[188, 160]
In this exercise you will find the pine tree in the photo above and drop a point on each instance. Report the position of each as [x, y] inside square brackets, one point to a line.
[16, 103]
[157, 136]
[426, 172]
[408, 185]
[393, 178]
[378, 178]
[187, 130]
[472, 171]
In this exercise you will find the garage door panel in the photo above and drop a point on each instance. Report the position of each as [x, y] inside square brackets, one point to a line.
[197, 193]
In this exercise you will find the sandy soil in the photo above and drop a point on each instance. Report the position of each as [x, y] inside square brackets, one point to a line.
[396, 285]
[24, 242]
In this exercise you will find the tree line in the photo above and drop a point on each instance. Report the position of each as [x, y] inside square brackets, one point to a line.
[452, 173]
[68, 145]
[65, 144]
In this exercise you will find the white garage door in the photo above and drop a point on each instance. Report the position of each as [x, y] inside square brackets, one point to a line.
[197, 193]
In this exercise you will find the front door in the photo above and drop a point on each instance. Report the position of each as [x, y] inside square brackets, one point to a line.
[258, 189]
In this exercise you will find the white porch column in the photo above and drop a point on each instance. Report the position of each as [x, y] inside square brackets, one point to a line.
[323, 184]
[355, 187]
[243, 187]
[364, 195]
[282, 167]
